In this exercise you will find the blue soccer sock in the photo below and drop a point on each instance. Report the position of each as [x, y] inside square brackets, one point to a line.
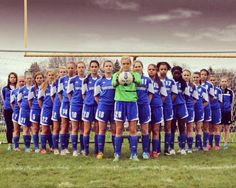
[172, 141]
[95, 144]
[133, 145]
[63, 141]
[210, 137]
[55, 139]
[179, 142]
[67, 140]
[43, 141]
[167, 141]
[16, 141]
[86, 144]
[205, 139]
[101, 143]
[27, 141]
[74, 141]
[81, 142]
[113, 142]
[155, 145]
[118, 144]
[36, 141]
[159, 148]
[145, 142]
[198, 142]
[182, 140]
[49, 140]
[190, 142]
[217, 140]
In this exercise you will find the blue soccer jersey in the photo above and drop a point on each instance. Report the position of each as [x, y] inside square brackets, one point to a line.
[227, 100]
[104, 89]
[159, 92]
[216, 103]
[62, 88]
[191, 94]
[146, 87]
[22, 97]
[180, 96]
[171, 88]
[88, 90]
[13, 101]
[75, 89]
[33, 95]
[5, 95]
[45, 96]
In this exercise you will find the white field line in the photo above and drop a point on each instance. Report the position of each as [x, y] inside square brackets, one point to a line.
[112, 167]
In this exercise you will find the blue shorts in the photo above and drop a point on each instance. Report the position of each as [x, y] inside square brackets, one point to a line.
[15, 116]
[64, 109]
[35, 116]
[216, 116]
[207, 113]
[125, 111]
[105, 113]
[24, 117]
[180, 111]
[56, 113]
[75, 112]
[168, 112]
[191, 115]
[199, 113]
[156, 114]
[144, 113]
[89, 112]
[46, 114]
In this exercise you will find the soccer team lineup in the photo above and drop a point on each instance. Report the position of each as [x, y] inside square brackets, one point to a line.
[60, 108]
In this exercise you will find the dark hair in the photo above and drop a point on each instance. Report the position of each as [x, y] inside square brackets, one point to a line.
[163, 63]
[8, 80]
[94, 61]
[204, 70]
[156, 78]
[181, 80]
[89, 75]
[197, 73]
[37, 74]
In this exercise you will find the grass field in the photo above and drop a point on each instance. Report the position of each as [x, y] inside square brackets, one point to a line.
[212, 169]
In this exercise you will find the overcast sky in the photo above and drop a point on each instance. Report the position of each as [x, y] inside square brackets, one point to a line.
[120, 25]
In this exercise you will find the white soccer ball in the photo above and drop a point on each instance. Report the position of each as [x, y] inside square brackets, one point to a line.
[125, 78]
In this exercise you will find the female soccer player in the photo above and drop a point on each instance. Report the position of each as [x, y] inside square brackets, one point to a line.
[104, 94]
[90, 107]
[180, 109]
[65, 106]
[156, 108]
[35, 109]
[226, 108]
[7, 111]
[24, 114]
[201, 102]
[126, 108]
[190, 97]
[74, 91]
[214, 127]
[144, 91]
[172, 91]
[45, 103]
[56, 119]
[15, 114]
[207, 109]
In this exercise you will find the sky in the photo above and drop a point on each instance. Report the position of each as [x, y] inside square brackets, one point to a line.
[118, 26]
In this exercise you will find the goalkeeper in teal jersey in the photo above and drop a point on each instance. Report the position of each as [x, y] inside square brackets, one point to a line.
[126, 108]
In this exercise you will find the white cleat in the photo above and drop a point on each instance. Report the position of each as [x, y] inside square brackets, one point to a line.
[63, 152]
[183, 152]
[75, 154]
[56, 152]
[189, 151]
[172, 152]
[67, 151]
[37, 151]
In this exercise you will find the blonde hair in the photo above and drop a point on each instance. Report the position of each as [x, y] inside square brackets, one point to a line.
[46, 83]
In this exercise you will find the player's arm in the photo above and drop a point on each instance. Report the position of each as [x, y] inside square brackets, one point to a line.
[19, 97]
[70, 88]
[41, 97]
[115, 81]
[205, 99]
[30, 97]
[12, 98]
[174, 91]
[60, 89]
[97, 90]
[150, 90]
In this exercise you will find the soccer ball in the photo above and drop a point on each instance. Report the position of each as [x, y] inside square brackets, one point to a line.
[125, 78]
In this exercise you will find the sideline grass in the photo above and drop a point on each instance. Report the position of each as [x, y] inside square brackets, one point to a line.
[212, 169]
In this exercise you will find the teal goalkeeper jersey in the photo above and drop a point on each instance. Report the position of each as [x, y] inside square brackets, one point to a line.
[126, 93]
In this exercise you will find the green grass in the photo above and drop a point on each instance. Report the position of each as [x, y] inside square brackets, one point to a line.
[212, 169]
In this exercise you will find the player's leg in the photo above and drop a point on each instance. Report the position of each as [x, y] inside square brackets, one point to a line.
[198, 137]
[101, 138]
[190, 136]
[16, 135]
[55, 136]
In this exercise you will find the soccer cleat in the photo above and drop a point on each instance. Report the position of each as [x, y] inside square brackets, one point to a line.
[28, 150]
[167, 153]
[189, 151]
[75, 154]
[36, 150]
[146, 155]
[10, 147]
[205, 148]
[63, 152]
[134, 157]
[43, 151]
[209, 147]
[17, 149]
[183, 152]
[100, 155]
[178, 151]
[226, 146]
[67, 151]
[56, 152]
[172, 152]
[217, 148]
[196, 149]
[117, 158]
[155, 155]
